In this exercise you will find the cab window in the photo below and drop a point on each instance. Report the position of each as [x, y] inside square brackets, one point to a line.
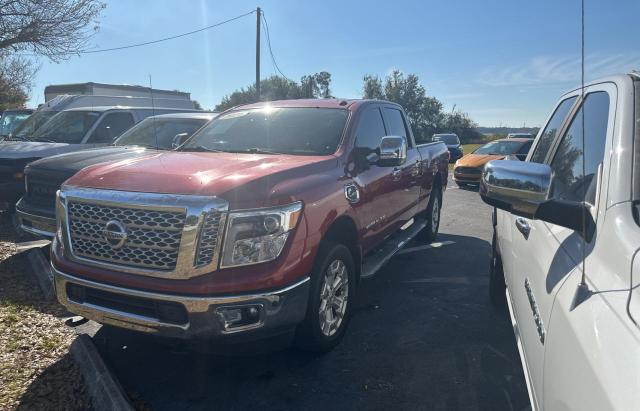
[575, 164]
[111, 127]
[370, 129]
[551, 130]
[395, 123]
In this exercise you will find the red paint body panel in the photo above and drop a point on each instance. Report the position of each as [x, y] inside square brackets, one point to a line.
[253, 180]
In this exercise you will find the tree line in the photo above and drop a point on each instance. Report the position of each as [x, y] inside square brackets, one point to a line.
[425, 112]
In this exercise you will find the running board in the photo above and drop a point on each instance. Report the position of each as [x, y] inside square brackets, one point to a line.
[372, 263]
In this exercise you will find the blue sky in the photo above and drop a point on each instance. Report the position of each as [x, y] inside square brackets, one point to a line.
[503, 62]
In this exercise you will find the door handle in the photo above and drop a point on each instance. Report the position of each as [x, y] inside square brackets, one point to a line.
[396, 173]
[523, 226]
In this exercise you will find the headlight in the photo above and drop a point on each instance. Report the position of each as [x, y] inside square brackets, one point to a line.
[256, 236]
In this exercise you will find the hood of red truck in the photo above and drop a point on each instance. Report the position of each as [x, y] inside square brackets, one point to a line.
[246, 180]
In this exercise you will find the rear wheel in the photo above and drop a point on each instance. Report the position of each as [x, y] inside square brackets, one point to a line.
[497, 286]
[331, 296]
[432, 215]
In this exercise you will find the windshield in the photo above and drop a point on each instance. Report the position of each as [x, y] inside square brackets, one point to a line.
[159, 132]
[448, 139]
[503, 148]
[11, 120]
[66, 127]
[33, 122]
[300, 131]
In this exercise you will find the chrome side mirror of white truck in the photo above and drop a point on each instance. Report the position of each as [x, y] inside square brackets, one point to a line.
[524, 189]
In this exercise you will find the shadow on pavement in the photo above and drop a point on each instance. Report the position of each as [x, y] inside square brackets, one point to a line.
[423, 336]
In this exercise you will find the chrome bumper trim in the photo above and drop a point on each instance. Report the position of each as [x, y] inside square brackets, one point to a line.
[284, 307]
[45, 221]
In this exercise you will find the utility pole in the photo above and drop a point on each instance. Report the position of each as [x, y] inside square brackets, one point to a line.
[258, 14]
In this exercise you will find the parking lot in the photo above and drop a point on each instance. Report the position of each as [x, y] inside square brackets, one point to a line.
[423, 336]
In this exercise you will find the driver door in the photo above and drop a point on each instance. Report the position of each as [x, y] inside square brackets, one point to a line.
[379, 196]
[546, 254]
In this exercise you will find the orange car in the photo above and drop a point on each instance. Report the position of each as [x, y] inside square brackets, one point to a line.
[468, 169]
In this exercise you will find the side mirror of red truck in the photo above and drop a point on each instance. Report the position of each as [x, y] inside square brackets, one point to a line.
[523, 188]
[392, 151]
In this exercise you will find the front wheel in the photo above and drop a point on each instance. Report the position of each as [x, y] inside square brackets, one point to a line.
[331, 297]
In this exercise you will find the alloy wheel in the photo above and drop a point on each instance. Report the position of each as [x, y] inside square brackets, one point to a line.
[334, 294]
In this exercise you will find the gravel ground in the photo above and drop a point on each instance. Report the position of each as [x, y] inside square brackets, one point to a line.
[36, 369]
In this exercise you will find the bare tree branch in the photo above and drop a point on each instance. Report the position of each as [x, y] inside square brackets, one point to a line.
[56, 29]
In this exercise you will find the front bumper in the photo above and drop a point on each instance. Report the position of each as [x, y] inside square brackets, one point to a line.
[183, 316]
[34, 221]
[466, 178]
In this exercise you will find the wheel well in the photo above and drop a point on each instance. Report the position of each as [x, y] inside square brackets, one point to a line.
[344, 231]
[437, 180]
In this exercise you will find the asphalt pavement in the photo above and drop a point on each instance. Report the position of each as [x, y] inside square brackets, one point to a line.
[423, 336]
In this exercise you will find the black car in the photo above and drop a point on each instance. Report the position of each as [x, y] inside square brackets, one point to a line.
[43, 178]
[453, 144]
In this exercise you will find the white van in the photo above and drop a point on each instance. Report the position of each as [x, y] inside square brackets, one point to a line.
[66, 102]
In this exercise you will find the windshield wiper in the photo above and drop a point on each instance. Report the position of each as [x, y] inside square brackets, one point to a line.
[255, 150]
[200, 149]
[17, 138]
[44, 140]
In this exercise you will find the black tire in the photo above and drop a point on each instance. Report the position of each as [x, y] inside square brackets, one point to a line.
[309, 334]
[461, 185]
[497, 286]
[432, 214]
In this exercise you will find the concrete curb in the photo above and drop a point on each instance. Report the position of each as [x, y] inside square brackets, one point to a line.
[105, 391]
[42, 270]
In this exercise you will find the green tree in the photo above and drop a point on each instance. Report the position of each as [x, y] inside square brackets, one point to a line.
[424, 112]
[460, 123]
[372, 88]
[278, 88]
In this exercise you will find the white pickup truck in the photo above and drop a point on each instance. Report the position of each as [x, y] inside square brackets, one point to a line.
[566, 241]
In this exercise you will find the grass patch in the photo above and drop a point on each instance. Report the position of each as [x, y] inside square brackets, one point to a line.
[36, 370]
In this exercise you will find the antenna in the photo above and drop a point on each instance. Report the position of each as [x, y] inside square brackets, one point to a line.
[153, 113]
[582, 292]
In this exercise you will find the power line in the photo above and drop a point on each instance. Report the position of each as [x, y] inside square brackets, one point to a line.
[168, 38]
[273, 59]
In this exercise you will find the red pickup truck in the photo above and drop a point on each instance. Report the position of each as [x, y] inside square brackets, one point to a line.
[263, 222]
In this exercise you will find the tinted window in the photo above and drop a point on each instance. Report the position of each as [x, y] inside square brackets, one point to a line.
[395, 123]
[33, 122]
[111, 127]
[159, 132]
[524, 150]
[370, 129]
[290, 130]
[569, 181]
[10, 121]
[549, 134]
[504, 148]
[66, 127]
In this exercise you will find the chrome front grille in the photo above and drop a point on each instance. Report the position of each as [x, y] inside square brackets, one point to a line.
[209, 235]
[158, 235]
[153, 237]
